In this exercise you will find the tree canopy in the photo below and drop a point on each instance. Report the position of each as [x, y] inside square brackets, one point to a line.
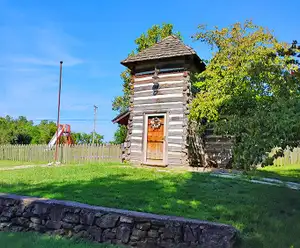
[148, 39]
[248, 90]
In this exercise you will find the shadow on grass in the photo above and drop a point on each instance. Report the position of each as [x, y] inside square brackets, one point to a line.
[267, 216]
[34, 240]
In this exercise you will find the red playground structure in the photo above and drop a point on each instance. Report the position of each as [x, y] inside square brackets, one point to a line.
[64, 130]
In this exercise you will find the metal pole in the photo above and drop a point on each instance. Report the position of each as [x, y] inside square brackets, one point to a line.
[95, 116]
[58, 109]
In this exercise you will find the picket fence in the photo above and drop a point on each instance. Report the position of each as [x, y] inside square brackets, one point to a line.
[290, 157]
[66, 153]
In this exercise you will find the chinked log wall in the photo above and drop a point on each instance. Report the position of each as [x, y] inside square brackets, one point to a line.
[133, 229]
[172, 98]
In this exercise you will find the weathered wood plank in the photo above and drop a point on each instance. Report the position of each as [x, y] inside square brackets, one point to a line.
[159, 99]
[176, 118]
[175, 141]
[177, 126]
[140, 114]
[174, 148]
[135, 147]
[137, 134]
[162, 86]
[161, 78]
[174, 161]
[177, 132]
[162, 107]
[161, 92]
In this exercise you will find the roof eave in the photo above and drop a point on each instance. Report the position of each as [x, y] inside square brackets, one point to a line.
[121, 116]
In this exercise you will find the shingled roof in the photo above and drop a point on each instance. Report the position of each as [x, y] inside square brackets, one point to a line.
[170, 46]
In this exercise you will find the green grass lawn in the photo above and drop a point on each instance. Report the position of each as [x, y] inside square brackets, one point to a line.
[33, 240]
[10, 163]
[267, 216]
[285, 173]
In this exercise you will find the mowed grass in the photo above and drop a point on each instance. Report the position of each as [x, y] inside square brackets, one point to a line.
[285, 173]
[33, 240]
[10, 163]
[267, 216]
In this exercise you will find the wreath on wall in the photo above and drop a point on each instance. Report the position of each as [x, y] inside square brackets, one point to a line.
[155, 123]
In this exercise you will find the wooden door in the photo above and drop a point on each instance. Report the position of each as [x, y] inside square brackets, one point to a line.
[155, 140]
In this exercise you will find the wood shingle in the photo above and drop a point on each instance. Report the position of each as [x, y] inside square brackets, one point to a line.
[169, 47]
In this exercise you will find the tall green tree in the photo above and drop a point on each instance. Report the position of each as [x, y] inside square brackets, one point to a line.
[87, 138]
[148, 39]
[248, 90]
[23, 131]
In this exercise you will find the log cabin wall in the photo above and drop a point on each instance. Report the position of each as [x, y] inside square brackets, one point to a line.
[171, 100]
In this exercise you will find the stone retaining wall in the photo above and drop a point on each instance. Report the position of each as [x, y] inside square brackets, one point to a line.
[129, 228]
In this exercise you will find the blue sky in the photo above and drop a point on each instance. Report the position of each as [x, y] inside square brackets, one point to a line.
[92, 37]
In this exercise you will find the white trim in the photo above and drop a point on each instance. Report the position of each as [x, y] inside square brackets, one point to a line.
[157, 97]
[161, 83]
[139, 79]
[136, 138]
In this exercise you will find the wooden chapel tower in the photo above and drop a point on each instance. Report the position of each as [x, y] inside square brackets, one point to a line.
[157, 118]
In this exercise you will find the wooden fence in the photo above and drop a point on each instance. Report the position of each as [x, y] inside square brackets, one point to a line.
[290, 157]
[66, 154]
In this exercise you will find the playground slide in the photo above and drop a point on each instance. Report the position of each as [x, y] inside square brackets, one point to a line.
[53, 140]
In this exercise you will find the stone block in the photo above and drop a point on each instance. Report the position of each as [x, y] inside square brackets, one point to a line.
[87, 218]
[138, 234]
[8, 212]
[171, 232]
[56, 213]
[28, 214]
[96, 233]
[126, 219]
[21, 221]
[108, 235]
[123, 233]
[107, 221]
[66, 225]
[51, 224]
[37, 227]
[71, 218]
[190, 235]
[153, 234]
[35, 220]
[79, 228]
[4, 225]
[40, 209]
[4, 219]
[81, 235]
[144, 226]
